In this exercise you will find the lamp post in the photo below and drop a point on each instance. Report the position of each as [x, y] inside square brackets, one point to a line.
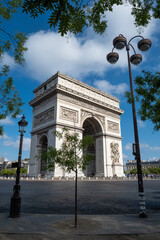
[144, 44]
[15, 205]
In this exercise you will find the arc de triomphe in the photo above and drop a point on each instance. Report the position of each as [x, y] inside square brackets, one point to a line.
[62, 101]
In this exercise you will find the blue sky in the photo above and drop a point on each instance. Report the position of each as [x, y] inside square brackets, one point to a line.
[84, 58]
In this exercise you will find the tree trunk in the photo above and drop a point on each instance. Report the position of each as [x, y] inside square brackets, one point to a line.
[76, 198]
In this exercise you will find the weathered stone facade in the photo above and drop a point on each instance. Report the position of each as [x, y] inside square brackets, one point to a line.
[62, 101]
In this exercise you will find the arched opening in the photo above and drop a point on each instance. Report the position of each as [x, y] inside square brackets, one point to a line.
[44, 145]
[92, 127]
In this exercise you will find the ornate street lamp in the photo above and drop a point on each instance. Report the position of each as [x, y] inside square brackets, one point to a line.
[145, 44]
[15, 206]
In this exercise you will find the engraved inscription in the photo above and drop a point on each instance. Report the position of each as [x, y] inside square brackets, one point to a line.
[68, 114]
[41, 118]
[113, 127]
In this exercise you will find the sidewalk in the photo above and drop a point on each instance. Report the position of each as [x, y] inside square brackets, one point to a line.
[90, 227]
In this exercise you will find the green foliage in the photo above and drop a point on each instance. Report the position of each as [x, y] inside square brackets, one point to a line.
[75, 15]
[8, 41]
[26, 159]
[129, 98]
[133, 171]
[154, 170]
[71, 154]
[23, 171]
[148, 95]
[147, 171]
[12, 172]
[10, 101]
[8, 172]
[7, 8]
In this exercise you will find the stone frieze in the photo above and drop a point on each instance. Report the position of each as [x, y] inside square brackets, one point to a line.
[113, 126]
[68, 114]
[43, 117]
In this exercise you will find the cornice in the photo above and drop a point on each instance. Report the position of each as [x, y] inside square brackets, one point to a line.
[46, 82]
[93, 101]
[80, 83]
[72, 93]
[41, 97]
[64, 76]
[53, 125]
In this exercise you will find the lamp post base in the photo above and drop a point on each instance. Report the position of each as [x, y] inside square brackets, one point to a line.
[15, 207]
[142, 205]
[143, 215]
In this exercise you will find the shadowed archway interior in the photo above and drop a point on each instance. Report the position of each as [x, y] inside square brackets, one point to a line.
[91, 127]
[44, 145]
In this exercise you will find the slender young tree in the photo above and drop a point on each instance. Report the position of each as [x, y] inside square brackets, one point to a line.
[71, 156]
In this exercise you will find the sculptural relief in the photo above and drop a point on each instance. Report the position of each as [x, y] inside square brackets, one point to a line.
[84, 104]
[43, 117]
[115, 152]
[113, 126]
[68, 114]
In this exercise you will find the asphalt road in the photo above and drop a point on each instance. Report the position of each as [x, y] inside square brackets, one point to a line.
[94, 197]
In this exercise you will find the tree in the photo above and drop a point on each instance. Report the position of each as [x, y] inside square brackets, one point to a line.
[149, 170]
[133, 171]
[8, 172]
[23, 170]
[71, 156]
[10, 102]
[147, 94]
[154, 170]
[74, 15]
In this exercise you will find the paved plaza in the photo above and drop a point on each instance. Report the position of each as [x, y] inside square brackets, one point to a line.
[94, 197]
[107, 210]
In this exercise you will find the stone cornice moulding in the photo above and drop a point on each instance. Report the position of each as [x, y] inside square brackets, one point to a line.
[73, 80]
[112, 136]
[90, 99]
[69, 92]
[85, 104]
[54, 125]
[77, 82]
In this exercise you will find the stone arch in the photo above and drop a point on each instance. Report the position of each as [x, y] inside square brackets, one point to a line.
[43, 144]
[92, 126]
[97, 118]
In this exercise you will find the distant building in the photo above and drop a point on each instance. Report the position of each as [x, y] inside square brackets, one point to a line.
[131, 164]
[3, 163]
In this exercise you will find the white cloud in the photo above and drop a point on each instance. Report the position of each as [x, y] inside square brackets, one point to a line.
[107, 87]
[141, 123]
[7, 60]
[48, 52]
[143, 146]
[128, 146]
[125, 156]
[7, 121]
[4, 137]
[15, 144]
[152, 159]
[155, 148]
